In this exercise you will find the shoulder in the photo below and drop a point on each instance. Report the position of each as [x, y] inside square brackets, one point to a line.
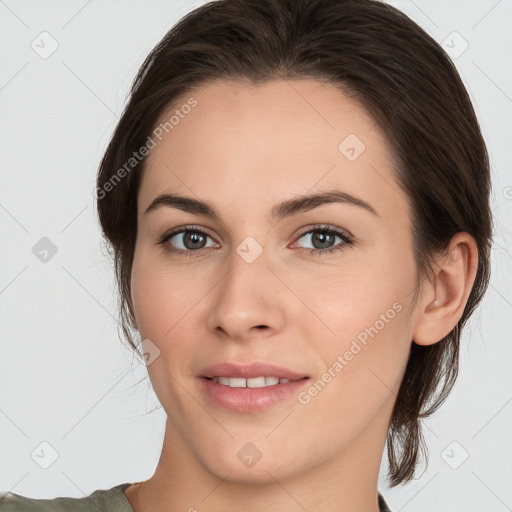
[102, 500]
[12, 502]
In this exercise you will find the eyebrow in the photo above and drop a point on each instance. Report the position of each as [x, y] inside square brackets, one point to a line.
[287, 208]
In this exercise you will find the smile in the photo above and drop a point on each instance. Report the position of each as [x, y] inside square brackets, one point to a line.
[255, 382]
[249, 395]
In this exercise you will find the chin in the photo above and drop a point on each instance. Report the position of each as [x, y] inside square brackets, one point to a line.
[248, 464]
[261, 474]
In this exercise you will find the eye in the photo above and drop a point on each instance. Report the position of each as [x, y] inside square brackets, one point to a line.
[185, 240]
[188, 240]
[322, 237]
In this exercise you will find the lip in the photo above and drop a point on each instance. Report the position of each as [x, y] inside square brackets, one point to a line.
[249, 400]
[248, 371]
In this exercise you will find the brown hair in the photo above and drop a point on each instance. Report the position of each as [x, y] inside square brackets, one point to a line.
[381, 58]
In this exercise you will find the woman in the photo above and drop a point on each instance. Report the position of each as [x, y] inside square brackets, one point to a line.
[297, 198]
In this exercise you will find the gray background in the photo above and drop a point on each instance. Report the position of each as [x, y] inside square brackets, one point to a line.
[65, 379]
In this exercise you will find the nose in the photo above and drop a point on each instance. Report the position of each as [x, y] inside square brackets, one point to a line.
[248, 301]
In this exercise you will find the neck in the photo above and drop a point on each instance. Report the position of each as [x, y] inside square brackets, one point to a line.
[346, 482]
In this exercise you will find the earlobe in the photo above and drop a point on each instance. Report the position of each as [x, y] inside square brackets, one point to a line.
[445, 296]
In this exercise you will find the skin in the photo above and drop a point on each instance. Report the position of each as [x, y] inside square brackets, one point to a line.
[245, 148]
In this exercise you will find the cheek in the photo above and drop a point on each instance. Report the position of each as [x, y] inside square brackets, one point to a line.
[363, 358]
[157, 296]
[362, 331]
[167, 304]
[349, 299]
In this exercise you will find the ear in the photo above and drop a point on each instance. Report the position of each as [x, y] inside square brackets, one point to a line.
[445, 294]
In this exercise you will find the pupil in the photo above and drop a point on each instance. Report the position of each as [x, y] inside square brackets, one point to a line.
[324, 240]
[193, 238]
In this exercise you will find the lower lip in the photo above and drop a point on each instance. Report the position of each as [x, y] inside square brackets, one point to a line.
[248, 400]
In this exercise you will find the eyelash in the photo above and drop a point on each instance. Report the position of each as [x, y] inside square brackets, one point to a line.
[347, 240]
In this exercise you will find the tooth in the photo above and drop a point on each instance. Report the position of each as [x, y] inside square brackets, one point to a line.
[237, 382]
[256, 382]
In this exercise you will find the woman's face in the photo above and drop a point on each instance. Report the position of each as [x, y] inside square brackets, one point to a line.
[257, 283]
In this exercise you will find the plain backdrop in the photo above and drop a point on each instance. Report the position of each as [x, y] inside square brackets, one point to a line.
[77, 412]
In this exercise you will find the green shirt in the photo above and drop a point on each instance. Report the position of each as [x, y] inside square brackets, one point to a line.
[110, 500]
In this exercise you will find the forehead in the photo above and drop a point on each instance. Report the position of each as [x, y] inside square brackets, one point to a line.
[264, 143]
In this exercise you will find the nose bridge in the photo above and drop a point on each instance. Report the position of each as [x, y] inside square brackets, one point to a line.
[246, 298]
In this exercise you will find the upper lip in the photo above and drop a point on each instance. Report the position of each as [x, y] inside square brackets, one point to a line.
[248, 371]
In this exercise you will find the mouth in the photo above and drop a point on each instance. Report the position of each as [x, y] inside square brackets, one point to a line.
[254, 382]
[250, 388]
[252, 373]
